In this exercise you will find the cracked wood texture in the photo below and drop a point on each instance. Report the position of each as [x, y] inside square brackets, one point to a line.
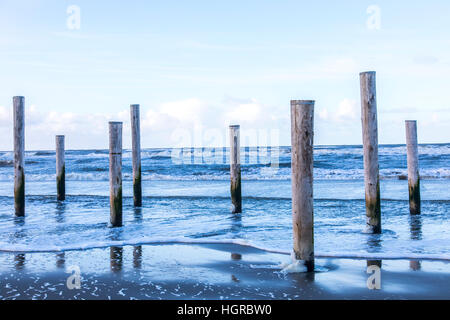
[370, 145]
[235, 170]
[115, 173]
[19, 155]
[136, 154]
[60, 169]
[302, 134]
[412, 153]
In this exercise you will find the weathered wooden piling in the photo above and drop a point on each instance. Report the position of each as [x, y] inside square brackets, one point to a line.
[413, 166]
[370, 144]
[302, 134]
[136, 151]
[235, 170]
[19, 155]
[115, 173]
[60, 169]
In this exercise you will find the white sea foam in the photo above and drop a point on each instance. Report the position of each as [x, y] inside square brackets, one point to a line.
[294, 266]
[254, 174]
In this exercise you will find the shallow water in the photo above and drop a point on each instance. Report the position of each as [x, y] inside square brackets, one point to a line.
[186, 198]
[214, 271]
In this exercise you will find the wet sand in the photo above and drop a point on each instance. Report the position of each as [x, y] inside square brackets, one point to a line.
[210, 271]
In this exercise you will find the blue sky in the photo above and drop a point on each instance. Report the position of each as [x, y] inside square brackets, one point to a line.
[197, 66]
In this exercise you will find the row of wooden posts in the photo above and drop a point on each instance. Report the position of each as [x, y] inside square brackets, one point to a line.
[302, 133]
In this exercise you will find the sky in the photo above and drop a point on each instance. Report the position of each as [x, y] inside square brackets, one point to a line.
[196, 67]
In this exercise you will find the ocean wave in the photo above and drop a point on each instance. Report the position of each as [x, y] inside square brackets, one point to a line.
[24, 248]
[6, 163]
[265, 173]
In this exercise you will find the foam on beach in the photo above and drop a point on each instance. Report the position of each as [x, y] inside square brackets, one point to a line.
[294, 266]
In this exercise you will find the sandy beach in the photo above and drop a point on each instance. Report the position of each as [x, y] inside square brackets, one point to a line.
[210, 271]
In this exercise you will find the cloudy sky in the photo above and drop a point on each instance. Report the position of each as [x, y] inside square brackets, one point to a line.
[197, 66]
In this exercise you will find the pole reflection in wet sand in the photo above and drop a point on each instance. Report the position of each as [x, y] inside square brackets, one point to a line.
[137, 257]
[415, 228]
[19, 261]
[60, 260]
[116, 259]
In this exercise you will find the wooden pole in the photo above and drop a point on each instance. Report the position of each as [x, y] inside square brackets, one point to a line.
[60, 169]
[136, 151]
[19, 155]
[302, 134]
[413, 166]
[370, 143]
[115, 173]
[235, 170]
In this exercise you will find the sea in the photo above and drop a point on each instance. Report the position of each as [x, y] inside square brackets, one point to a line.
[186, 199]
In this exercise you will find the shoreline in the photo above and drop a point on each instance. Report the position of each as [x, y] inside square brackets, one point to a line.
[224, 242]
[210, 271]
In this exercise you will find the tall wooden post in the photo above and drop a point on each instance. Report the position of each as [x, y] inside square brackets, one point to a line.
[60, 169]
[136, 151]
[235, 170]
[413, 166]
[370, 143]
[19, 155]
[115, 173]
[302, 134]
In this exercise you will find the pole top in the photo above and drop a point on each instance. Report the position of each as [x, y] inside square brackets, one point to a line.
[60, 136]
[234, 126]
[115, 122]
[136, 105]
[302, 102]
[414, 121]
[368, 73]
[19, 99]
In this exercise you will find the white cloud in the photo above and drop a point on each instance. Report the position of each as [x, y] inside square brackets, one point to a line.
[248, 112]
[189, 110]
[323, 114]
[347, 110]
[194, 121]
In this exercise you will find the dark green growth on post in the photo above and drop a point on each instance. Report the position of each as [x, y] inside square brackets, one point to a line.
[235, 170]
[414, 197]
[116, 206]
[137, 188]
[19, 155]
[235, 189]
[19, 197]
[373, 211]
[61, 185]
